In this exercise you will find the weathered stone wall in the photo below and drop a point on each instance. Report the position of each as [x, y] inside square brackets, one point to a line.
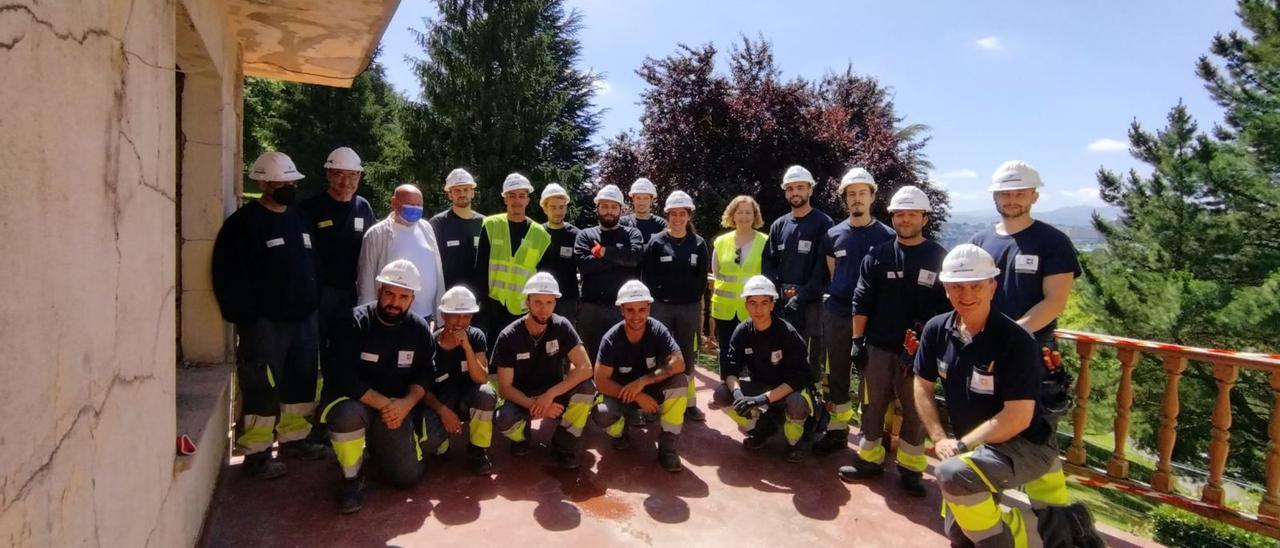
[88, 264]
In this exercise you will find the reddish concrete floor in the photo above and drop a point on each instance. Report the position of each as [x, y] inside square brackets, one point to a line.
[725, 496]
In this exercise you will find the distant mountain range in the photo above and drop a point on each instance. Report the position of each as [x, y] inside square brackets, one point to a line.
[1081, 216]
[1076, 221]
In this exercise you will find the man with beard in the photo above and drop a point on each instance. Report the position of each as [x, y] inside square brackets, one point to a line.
[845, 245]
[340, 218]
[264, 277]
[608, 255]
[458, 230]
[898, 291]
[793, 261]
[511, 245]
[404, 234]
[1038, 262]
[381, 372]
[530, 355]
[643, 195]
[640, 368]
[558, 260]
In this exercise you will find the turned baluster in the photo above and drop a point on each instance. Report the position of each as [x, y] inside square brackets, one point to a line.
[1162, 479]
[1220, 435]
[1118, 466]
[1076, 454]
[1269, 508]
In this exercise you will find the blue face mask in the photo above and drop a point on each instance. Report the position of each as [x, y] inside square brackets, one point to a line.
[411, 213]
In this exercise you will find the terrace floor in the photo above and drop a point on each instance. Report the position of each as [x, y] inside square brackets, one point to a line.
[726, 496]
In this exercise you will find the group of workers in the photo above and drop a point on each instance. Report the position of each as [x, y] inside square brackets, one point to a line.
[426, 328]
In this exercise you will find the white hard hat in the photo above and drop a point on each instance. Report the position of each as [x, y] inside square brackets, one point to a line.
[759, 285]
[274, 166]
[909, 198]
[633, 292]
[516, 181]
[679, 199]
[856, 176]
[968, 263]
[343, 158]
[542, 283]
[609, 192]
[459, 177]
[1014, 175]
[551, 191]
[401, 273]
[643, 186]
[797, 174]
[459, 300]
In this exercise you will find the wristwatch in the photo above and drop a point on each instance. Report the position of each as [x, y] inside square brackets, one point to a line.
[961, 446]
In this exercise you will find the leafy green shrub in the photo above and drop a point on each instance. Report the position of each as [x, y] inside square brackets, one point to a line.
[1174, 527]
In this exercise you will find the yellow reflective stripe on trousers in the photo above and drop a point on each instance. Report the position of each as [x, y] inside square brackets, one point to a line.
[293, 421]
[324, 413]
[745, 424]
[840, 417]
[271, 379]
[1049, 489]
[911, 457]
[793, 429]
[575, 414]
[480, 428]
[349, 448]
[693, 392]
[259, 431]
[977, 514]
[615, 430]
[671, 412]
[871, 451]
[516, 432]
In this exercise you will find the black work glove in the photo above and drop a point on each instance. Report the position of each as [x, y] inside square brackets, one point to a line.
[858, 353]
[744, 405]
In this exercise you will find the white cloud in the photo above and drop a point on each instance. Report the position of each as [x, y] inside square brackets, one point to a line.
[964, 173]
[990, 43]
[1086, 195]
[1108, 145]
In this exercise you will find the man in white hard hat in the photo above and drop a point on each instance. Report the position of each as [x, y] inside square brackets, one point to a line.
[459, 388]
[530, 355]
[768, 376]
[1038, 266]
[265, 280]
[404, 234]
[643, 197]
[338, 218]
[458, 230]
[380, 373]
[558, 260]
[898, 291]
[640, 367]
[608, 255]
[674, 267]
[991, 373]
[845, 244]
[511, 246]
[794, 262]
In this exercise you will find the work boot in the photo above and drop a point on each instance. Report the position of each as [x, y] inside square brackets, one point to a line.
[478, 460]
[623, 442]
[351, 495]
[860, 470]
[760, 435]
[635, 417]
[668, 459]
[648, 418]
[302, 450]
[262, 466]
[693, 414]
[832, 441]
[910, 482]
[794, 454]
[566, 448]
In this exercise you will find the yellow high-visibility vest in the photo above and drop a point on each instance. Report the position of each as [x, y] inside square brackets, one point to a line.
[726, 294]
[509, 271]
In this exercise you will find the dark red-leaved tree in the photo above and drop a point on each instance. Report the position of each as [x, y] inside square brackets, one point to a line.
[719, 135]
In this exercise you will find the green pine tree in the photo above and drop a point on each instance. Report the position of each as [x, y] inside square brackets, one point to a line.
[501, 93]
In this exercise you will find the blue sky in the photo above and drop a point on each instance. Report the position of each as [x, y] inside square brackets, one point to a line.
[1052, 83]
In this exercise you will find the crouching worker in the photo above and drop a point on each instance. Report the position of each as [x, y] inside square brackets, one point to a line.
[530, 355]
[640, 366]
[459, 383]
[381, 371]
[991, 374]
[768, 374]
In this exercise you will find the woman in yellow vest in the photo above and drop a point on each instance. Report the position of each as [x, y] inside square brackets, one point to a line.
[735, 257]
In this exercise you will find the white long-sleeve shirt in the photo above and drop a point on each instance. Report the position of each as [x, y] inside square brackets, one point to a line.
[389, 240]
